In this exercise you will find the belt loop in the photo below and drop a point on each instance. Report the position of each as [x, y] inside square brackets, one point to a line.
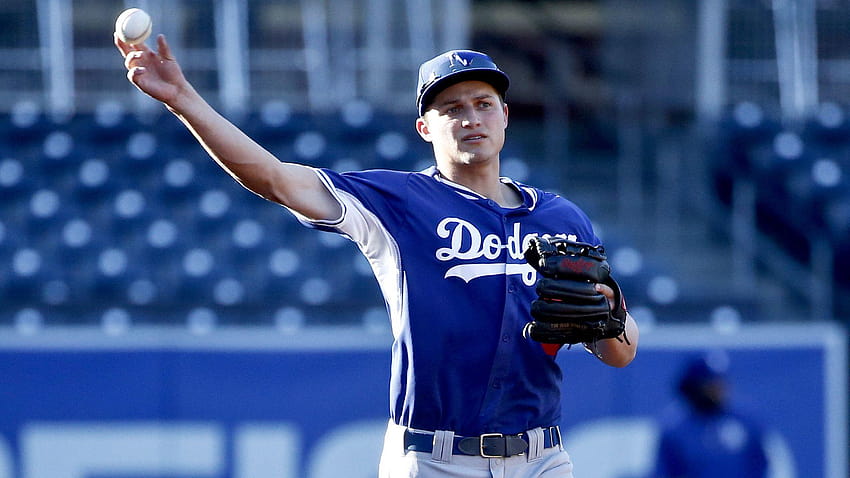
[560, 438]
[443, 442]
[535, 443]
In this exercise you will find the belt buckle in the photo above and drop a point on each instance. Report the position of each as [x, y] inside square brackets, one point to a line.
[481, 444]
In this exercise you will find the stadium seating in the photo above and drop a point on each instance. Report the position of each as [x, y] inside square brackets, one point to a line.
[800, 174]
[112, 219]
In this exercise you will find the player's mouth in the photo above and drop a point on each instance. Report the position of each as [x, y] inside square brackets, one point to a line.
[472, 138]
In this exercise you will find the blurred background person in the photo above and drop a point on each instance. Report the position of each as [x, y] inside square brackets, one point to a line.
[707, 438]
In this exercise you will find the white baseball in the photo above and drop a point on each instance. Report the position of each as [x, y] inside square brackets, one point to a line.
[133, 26]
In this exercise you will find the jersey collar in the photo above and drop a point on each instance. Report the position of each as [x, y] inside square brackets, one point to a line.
[529, 194]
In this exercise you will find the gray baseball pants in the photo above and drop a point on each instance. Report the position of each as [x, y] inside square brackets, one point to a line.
[537, 462]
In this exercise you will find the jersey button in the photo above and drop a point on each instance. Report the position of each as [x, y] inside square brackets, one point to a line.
[497, 384]
[506, 338]
[511, 289]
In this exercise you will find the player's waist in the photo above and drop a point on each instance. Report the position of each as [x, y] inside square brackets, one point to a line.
[487, 445]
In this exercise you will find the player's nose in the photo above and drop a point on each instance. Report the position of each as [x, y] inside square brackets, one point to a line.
[471, 120]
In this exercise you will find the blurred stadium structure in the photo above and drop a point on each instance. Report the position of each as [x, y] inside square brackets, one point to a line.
[710, 139]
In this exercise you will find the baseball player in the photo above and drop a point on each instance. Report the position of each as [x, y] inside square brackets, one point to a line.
[458, 252]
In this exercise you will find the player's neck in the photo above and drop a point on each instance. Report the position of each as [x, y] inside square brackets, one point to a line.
[484, 180]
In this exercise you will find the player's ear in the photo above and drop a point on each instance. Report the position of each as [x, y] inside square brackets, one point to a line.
[505, 109]
[422, 128]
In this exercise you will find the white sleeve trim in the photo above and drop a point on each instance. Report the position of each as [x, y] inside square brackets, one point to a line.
[376, 243]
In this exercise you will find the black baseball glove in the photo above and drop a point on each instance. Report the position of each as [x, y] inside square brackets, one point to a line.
[569, 309]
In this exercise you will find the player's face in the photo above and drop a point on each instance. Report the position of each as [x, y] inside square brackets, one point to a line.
[465, 123]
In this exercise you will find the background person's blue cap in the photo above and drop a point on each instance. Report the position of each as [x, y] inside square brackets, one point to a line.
[704, 369]
[440, 72]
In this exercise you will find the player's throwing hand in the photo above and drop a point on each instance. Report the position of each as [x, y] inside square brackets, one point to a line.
[156, 74]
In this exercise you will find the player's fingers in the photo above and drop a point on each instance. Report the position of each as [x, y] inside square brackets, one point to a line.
[164, 49]
[122, 47]
[133, 74]
[132, 58]
[605, 290]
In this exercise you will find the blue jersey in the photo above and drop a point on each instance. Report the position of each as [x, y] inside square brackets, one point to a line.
[450, 265]
[708, 446]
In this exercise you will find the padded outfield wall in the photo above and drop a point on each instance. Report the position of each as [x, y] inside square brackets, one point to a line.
[258, 403]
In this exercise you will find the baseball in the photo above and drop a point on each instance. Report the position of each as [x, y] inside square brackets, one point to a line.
[133, 26]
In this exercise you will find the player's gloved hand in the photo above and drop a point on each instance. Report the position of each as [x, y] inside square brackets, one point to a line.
[569, 309]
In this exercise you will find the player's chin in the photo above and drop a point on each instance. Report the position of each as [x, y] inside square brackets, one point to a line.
[472, 156]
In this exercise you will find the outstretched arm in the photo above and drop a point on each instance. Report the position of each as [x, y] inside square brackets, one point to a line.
[157, 74]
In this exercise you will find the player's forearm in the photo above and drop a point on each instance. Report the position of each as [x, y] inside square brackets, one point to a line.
[293, 185]
[618, 352]
[245, 160]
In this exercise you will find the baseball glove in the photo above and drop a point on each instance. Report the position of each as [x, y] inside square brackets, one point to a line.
[569, 309]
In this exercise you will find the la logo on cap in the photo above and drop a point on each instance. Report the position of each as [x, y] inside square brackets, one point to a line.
[455, 57]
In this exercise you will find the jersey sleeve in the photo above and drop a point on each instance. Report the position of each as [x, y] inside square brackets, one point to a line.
[370, 201]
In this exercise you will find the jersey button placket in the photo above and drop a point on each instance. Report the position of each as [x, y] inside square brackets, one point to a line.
[501, 368]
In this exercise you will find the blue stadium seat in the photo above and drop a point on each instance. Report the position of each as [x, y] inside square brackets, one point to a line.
[61, 154]
[77, 256]
[17, 182]
[275, 125]
[110, 125]
[358, 121]
[836, 216]
[829, 126]
[24, 276]
[747, 131]
[310, 147]
[169, 130]
[213, 216]
[111, 274]
[233, 291]
[97, 182]
[178, 180]
[131, 215]
[200, 270]
[143, 150]
[46, 212]
[164, 270]
[356, 127]
[393, 149]
[23, 129]
[247, 251]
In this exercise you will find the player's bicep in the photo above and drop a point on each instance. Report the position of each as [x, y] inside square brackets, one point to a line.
[300, 189]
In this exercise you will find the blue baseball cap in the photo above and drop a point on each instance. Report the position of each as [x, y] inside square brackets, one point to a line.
[454, 66]
[704, 369]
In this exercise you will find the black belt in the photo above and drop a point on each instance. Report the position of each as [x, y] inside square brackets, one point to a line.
[488, 445]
